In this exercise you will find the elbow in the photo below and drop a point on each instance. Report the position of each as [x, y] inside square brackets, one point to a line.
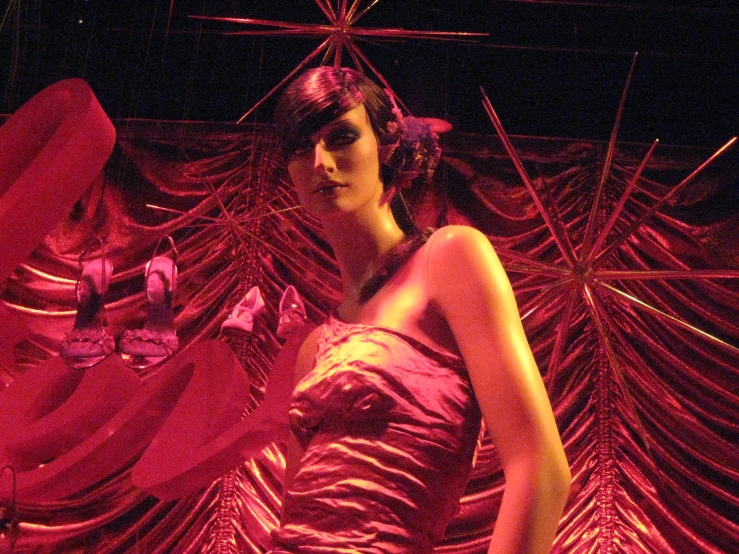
[551, 475]
[546, 473]
[565, 482]
[558, 477]
[540, 487]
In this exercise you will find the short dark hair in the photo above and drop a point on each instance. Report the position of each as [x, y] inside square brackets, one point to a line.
[320, 95]
[317, 97]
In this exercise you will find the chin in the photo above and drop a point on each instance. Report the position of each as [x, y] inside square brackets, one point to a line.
[327, 207]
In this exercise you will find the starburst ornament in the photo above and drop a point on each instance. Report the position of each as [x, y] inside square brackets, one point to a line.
[233, 219]
[340, 35]
[580, 275]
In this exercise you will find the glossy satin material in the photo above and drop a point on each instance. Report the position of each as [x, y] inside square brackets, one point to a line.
[389, 425]
[682, 499]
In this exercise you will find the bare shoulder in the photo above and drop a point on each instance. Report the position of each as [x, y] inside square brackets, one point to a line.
[458, 233]
[467, 282]
[461, 254]
[459, 243]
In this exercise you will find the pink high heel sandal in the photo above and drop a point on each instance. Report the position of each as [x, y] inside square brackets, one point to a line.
[292, 313]
[88, 344]
[157, 340]
[245, 312]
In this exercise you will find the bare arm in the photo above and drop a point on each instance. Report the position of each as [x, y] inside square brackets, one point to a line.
[468, 285]
[303, 364]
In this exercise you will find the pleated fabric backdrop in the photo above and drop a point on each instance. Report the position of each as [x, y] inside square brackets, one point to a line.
[647, 406]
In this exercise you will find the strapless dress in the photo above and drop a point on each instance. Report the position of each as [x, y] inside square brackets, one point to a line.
[389, 426]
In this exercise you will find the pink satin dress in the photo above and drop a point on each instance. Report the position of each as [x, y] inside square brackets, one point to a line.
[389, 426]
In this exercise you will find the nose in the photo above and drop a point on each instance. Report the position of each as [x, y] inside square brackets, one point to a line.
[323, 161]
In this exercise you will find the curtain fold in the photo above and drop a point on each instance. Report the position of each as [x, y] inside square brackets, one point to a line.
[644, 391]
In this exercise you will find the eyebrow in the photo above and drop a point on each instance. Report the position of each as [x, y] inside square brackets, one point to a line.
[342, 121]
[335, 123]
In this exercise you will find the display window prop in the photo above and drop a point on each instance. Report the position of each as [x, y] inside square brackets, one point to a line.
[51, 150]
[651, 472]
[681, 383]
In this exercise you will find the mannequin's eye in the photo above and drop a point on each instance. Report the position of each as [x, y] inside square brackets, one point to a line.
[342, 137]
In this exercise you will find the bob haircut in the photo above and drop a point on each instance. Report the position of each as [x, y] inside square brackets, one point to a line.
[317, 97]
[320, 95]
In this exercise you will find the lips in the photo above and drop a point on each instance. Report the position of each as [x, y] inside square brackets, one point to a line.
[326, 187]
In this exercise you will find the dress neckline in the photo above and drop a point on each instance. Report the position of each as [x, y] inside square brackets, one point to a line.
[421, 346]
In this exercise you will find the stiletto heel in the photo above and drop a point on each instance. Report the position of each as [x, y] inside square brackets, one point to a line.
[245, 312]
[292, 313]
[157, 340]
[88, 344]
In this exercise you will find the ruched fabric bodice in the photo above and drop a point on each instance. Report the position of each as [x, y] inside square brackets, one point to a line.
[389, 426]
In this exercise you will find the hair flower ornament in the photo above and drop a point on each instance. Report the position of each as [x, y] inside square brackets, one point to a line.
[415, 151]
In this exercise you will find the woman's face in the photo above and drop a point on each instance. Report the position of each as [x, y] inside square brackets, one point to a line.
[338, 170]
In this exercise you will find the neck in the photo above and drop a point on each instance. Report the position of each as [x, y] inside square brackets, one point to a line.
[359, 242]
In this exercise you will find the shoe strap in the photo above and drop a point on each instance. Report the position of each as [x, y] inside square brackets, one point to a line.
[86, 251]
[175, 255]
[13, 513]
[96, 240]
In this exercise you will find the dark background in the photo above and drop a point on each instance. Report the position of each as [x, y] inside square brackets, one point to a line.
[551, 68]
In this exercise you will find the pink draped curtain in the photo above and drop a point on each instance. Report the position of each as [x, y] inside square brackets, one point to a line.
[646, 404]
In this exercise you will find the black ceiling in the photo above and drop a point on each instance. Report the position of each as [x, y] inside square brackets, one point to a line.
[551, 68]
